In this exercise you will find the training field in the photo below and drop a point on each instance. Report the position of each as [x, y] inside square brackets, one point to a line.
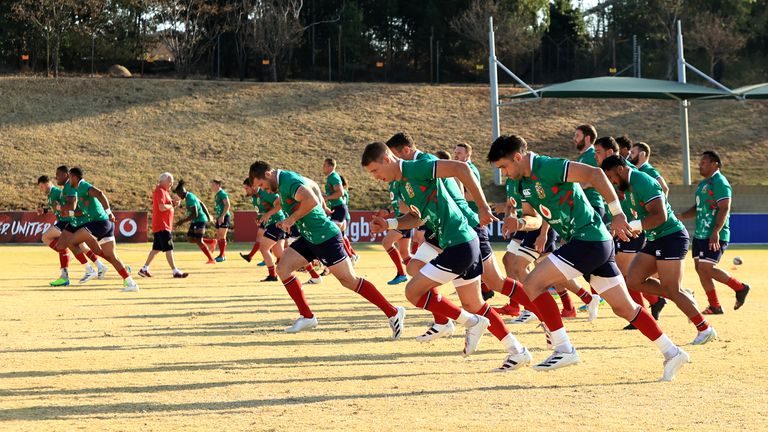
[209, 353]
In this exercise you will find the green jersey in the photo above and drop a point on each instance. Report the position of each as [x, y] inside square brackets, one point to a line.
[192, 202]
[348, 218]
[594, 197]
[562, 204]
[333, 180]
[710, 192]
[421, 190]
[221, 197]
[91, 207]
[57, 200]
[476, 173]
[70, 191]
[265, 202]
[394, 197]
[514, 197]
[643, 189]
[316, 227]
[650, 170]
[455, 192]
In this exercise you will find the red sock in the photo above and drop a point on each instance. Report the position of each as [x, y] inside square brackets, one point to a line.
[584, 295]
[254, 249]
[394, 255]
[81, 257]
[211, 243]
[652, 299]
[91, 256]
[637, 297]
[53, 244]
[414, 247]
[700, 323]
[648, 326]
[484, 288]
[312, 273]
[123, 273]
[205, 250]
[548, 311]
[514, 290]
[439, 319]
[348, 246]
[438, 304]
[370, 293]
[293, 286]
[497, 327]
[712, 297]
[593, 290]
[734, 284]
[271, 270]
[406, 260]
[566, 300]
[64, 259]
[222, 247]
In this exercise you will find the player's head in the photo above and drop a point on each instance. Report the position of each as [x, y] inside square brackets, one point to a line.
[584, 136]
[462, 152]
[625, 145]
[604, 147]
[44, 183]
[401, 145]
[508, 154]
[263, 175]
[62, 175]
[248, 186]
[442, 154]
[709, 163]
[343, 181]
[640, 153]
[379, 161]
[329, 165]
[75, 175]
[617, 171]
[217, 185]
[166, 180]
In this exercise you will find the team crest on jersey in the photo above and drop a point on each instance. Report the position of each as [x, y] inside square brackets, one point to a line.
[409, 189]
[513, 201]
[545, 211]
[540, 191]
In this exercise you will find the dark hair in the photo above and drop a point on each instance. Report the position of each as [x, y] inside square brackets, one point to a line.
[713, 157]
[180, 187]
[62, 168]
[466, 147]
[258, 169]
[588, 130]
[373, 152]
[43, 179]
[612, 162]
[442, 154]
[76, 172]
[219, 182]
[343, 180]
[643, 148]
[247, 181]
[624, 142]
[400, 140]
[505, 146]
[608, 143]
[330, 161]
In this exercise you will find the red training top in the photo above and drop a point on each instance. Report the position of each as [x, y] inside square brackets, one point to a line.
[161, 220]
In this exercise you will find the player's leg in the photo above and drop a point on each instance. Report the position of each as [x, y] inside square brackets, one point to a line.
[441, 325]
[196, 235]
[255, 248]
[144, 271]
[265, 247]
[708, 262]
[110, 254]
[404, 246]
[417, 238]
[295, 256]
[221, 239]
[389, 243]
[50, 237]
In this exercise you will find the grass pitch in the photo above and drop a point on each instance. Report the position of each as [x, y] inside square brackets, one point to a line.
[209, 353]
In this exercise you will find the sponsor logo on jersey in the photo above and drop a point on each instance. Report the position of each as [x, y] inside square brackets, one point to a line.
[540, 191]
[545, 211]
[526, 193]
[409, 189]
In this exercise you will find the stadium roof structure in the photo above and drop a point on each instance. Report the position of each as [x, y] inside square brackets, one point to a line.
[755, 91]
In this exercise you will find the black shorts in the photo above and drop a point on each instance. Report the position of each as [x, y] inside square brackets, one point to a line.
[197, 229]
[528, 245]
[339, 213]
[406, 233]
[701, 251]
[460, 263]
[225, 224]
[329, 252]
[61, 225]
[595, 260]
[670, 247]
[162, 241]
[431, 238]
[486, 251]
[274, 233]
[633, 246]
[100, 229]
[294, 234]
[71, 228]
[519, 235]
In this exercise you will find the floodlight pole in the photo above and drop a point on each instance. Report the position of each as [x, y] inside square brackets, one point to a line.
[684, 143]
[495, 130]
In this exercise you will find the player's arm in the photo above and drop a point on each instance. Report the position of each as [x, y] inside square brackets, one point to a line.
[409, 219]
[276, 207]
[663, 184]
[723, 208]
[307, 200]
[541, 241]
[338, 192]
[657, 215]
[164, 206]
[314, 188]
[69, 205]
[226, 209]
[581, 173]
[462, 172]
[688, 214]
[99, 195]
[205, 210]
[530, 221]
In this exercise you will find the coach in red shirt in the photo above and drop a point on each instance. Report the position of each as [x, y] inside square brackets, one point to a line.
[162, 226]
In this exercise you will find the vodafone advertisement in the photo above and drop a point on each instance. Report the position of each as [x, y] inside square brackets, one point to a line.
[28, 227]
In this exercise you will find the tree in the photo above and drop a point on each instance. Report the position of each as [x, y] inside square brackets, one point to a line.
[52, 18]
[238, 18]
[717, 36]
[277, 29]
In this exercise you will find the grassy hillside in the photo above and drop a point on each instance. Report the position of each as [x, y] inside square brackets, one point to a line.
[125, 132]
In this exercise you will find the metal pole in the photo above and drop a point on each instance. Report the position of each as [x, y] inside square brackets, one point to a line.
[634, 56]
[329, 59]
[218, 58]
[494, 84]
[639, 62]
[93, 51]
[683, 109]
[431, 57]
[437, 62]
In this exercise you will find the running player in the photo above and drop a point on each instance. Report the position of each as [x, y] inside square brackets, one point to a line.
[550, 190]
[667, 242]
[250, 192]
[396, 242]
[198, 217]
[320, 238]
[334, 197]
[98, 224]
[712, 211]
[584, 138]
[162, 226]
[223, 217]
[640, 156]
[459, 260]
[273, 240]
[625, 145]
[52, 234]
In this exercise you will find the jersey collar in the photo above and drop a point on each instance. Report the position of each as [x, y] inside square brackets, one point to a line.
[78, 183]
[416, 154]
[644, 164]
[533, 156]
[714, 174]
[277, 176]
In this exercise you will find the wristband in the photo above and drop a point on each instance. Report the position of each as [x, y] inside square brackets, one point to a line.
[392, 223]
[109, 211]
[615, 207]
[636, 225]
[519, 227]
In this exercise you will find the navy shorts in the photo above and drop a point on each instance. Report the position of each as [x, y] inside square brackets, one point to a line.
[197, 229]
[100, 229]
[71, 228]
[294, 234]
[431, 238]
[633, 246]
[486, 251]
[61, 225]
[528, 245]
[162, 241]
[670, 247]
[274, 233]
[339, 213]
[225, 224]
[519, 235]
[460, 263]
[701, 251]
[595, 260]
[406, 233]
[329, 252]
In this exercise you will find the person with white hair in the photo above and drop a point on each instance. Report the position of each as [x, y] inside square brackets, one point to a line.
[162, 226]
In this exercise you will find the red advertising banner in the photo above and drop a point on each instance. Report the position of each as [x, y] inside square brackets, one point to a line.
[358, 231]
[28, 227]
[246, 227]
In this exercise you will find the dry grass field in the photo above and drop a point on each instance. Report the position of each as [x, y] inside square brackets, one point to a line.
[209, 353]
[125, 132]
